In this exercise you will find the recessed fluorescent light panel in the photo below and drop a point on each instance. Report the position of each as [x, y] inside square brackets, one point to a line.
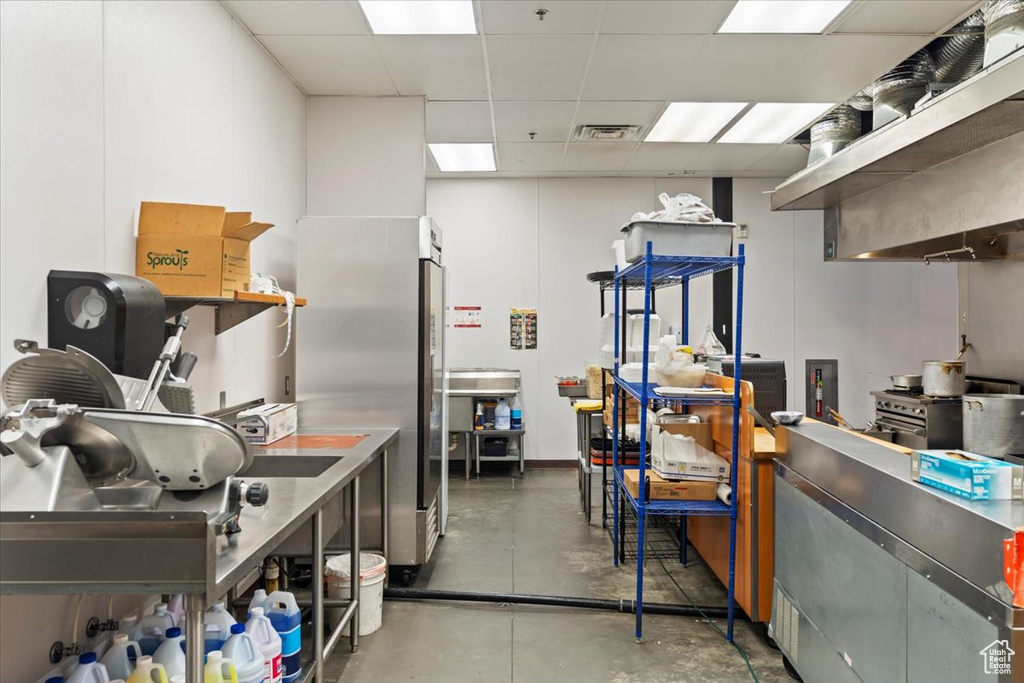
[774, 122]
[693, 121]
[419, 17]
[782, 16]
[462, 157]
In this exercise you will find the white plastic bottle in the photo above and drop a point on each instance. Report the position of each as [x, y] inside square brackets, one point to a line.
[149, 632]
[517, 413]
[171, 653]
[259, 599]
[269, 643]
[89, 670]
[502, 415]
[127, 625]
[286, 618]
[118, 657]
[217, 624]
[147, 672]
[218, 669]
[176, 607]
[243, 652]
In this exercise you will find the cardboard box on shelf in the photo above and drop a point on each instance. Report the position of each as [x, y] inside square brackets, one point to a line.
[968, 475]
[662, 489]
[267, 423]
[195, 250]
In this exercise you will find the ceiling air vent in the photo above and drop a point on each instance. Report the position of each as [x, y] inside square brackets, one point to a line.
[610, 133]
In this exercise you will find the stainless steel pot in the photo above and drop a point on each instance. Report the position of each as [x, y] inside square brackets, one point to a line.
[905, 381]
[994, 424]
[944, 378]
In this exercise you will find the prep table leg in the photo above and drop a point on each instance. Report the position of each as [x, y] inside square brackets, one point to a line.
[476, 452]
[469, 454]
[522, 456]
[195, 605]
[587, 472]
[354, 568]
[385, 518]
[318, 595]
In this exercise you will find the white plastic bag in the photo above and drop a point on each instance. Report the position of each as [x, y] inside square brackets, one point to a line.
[674, 366]
[710, 345]
[683, 208]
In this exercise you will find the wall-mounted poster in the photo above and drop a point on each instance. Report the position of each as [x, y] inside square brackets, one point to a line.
[465, 316]
[522, 328]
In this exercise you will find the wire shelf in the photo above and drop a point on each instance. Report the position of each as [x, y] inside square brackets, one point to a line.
[672, 270]
[690, 508]
[635, 390]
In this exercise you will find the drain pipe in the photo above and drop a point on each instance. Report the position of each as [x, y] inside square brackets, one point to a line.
[621, 605]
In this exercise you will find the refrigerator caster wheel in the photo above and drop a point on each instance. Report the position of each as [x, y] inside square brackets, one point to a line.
[789, 669]
[762, 629]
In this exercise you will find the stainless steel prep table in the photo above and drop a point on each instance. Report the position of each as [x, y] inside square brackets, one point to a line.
[878, 577]
[149, 552]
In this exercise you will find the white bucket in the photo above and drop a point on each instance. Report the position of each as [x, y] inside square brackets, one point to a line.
[372, 571]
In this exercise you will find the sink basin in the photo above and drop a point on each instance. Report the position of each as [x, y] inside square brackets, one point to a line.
[143, 497]
[301, 466]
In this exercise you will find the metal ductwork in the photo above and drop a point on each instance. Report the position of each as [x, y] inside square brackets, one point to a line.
[945, 182]
[961, 54]
[833, 132]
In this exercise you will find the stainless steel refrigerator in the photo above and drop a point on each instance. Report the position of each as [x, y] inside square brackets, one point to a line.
[370, 352]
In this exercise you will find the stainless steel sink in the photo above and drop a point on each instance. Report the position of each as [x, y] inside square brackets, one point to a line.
[301, 466]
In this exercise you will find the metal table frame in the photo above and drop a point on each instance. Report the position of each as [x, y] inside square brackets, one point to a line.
[584, 428]
[180, 553]
[518, 433]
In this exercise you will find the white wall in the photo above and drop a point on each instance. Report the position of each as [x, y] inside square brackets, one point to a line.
[531, 242]
[105, 104]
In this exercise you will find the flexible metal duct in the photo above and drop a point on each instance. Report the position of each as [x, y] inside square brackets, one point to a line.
[1004, 28]
[835, 130]
[906, 84]
[864, 100]
[960, 55]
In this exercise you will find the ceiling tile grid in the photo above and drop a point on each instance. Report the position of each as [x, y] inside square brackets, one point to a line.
[595, 62]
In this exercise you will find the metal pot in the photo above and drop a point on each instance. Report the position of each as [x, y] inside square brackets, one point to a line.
[905, 381]
[944, 378]
[994, 424]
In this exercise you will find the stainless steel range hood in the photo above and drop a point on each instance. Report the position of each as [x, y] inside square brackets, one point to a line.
[945, 182]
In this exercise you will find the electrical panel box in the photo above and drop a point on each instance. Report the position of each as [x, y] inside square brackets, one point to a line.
[822, 388]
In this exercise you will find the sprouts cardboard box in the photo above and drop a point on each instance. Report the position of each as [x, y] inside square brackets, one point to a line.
[195, 250]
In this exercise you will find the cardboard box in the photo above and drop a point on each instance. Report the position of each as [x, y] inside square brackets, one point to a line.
[704, 465]
[968, 475]
[195, 250]
[267, 423]
[662, 489]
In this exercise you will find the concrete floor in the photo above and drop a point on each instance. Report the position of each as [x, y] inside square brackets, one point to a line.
[528, 535]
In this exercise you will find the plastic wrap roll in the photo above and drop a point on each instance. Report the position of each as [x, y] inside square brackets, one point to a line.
[725, 493]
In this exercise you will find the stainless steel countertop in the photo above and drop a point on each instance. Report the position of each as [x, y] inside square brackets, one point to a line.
[293, 501]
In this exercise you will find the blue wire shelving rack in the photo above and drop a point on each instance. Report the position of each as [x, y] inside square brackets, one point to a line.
[650, 273]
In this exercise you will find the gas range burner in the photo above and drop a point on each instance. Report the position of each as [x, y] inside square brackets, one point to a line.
[911, 393]
[915, 396]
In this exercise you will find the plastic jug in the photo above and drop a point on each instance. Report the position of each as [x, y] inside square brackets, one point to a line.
[176, 607]
[218, 669]
[171, 653]
[89, 670]
[127, 625]
[146, 671]
[286, 617]
[217, 624]
[517, 413]
[259, 599]
[269, 643]
[502, 416]
[120, 656]
[149, 632]
[243, 652]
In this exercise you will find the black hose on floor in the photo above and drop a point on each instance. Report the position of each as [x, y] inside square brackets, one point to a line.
[627, 606]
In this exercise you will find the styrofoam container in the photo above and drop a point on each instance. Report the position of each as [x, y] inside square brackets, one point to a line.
[678, 239]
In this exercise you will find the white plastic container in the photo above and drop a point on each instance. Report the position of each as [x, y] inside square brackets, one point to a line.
[269, 643]
[619, 249]
[146, 671]
[259, 599]
[118, 657]
[149, 632]
[171, 653]
[176, 607]
[678, 239]
[218, 669]
[372, 571]
[89, 670]
[286, 617]
[243, 652]
[217, 623]
[502, 415]
[127, 625]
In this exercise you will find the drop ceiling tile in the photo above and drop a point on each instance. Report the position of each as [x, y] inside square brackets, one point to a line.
[903, 16]
[519, 157]
[630, 113]
[327, 65]
[723, 158]
[459, 122]
[505, 17]
[656, 16]
[665, 156]
[551, 121]
[785, 160]
[597, 156]
[639, 67]
[300, 17]
[431, 165]
[440, 67]
[790, 68]
[537, 67]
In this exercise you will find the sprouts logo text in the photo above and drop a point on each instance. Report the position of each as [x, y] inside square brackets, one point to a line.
[179, 259]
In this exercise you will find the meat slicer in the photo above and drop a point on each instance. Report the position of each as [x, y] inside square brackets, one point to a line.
[75, 447]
